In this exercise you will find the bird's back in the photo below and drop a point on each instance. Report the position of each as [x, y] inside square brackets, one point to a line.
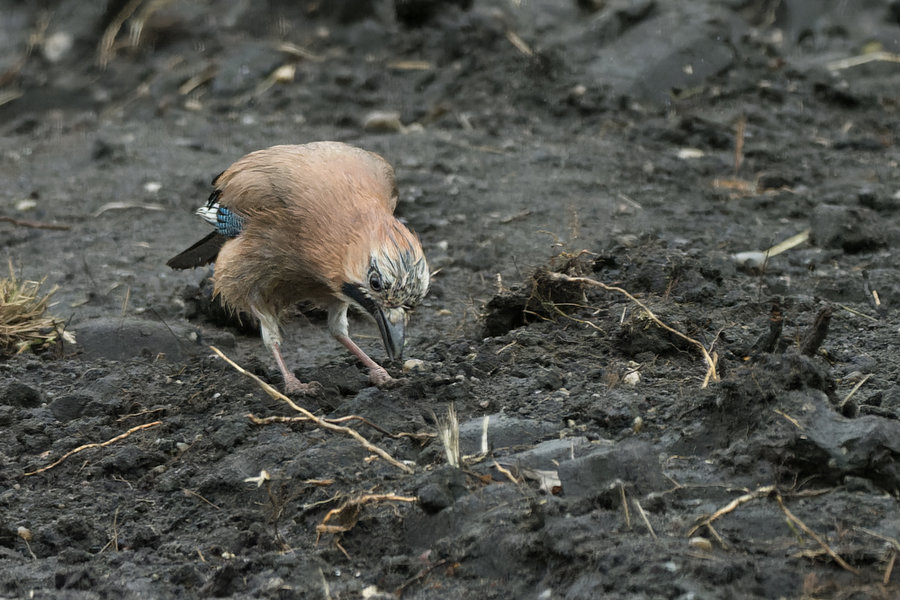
[314, 177]
[307, 211]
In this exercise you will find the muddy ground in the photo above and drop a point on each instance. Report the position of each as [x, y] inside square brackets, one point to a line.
[640, 144]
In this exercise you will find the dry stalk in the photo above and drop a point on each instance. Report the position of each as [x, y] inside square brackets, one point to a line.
[96, 445]
[625, 505]
[793, 520]
[759, 493]
[828, 550]
[24, 322]
[106, 51]
[643, 515]
[319, 422]
[33, 224]
[711, 374]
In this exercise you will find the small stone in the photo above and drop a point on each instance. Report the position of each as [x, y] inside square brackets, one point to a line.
[57, 45]
[700, 543]
[383, 122]
[749, 261]
[413, 365]
[21, 395]
[632, 378]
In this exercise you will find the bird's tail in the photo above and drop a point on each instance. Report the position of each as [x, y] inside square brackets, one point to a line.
[202, 253]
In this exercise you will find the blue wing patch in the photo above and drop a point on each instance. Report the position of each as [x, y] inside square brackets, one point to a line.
[228, 223]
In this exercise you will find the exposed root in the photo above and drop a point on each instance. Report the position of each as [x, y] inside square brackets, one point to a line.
[347, 514]
[98, 445]
[319, 422]
[711, 359]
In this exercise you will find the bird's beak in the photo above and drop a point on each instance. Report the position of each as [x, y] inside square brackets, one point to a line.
[392, 325]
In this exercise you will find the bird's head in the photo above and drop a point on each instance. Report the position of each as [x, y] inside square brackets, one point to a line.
[390, 281]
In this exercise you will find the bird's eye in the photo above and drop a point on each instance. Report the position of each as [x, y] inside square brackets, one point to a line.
[375, 282]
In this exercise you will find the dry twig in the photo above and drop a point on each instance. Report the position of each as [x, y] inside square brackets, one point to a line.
[95, 445]
[319, 422]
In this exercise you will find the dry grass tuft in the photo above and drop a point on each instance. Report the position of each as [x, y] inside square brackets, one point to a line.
[24, 322]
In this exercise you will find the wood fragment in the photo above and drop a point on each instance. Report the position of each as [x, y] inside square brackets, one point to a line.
[319, 422]
[767, 343]
[817, 333]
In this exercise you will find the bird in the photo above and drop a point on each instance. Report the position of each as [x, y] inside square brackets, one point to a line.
[312, 222]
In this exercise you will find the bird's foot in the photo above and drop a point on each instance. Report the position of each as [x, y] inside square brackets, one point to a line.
[380, 377]
[292, 385]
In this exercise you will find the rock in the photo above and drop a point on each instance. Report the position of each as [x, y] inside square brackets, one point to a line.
[21, 395]
[634, 462]
[442, 488]
[549, 454]
[503, 431]
[831, 446]
[852, 229]
[694, 48]
[70, 406]
[121, 339]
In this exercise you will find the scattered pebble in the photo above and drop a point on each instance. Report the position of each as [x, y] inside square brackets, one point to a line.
[700, 543]
[383, 122]
[688, 153]
[750, 261]
[25, 204]
[57, 45]
[413, 365]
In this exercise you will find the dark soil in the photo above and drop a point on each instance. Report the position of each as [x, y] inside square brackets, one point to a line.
[641, 144]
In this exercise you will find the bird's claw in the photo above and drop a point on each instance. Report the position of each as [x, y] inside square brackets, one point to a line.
[292, 385]
[381, 378]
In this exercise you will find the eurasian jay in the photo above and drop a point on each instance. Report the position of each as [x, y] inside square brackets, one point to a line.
[312, 222]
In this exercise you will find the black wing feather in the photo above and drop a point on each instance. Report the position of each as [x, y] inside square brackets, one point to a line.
[202, 253]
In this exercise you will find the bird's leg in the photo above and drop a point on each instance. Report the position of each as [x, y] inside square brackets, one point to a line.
[337, 325]
[377, 373]
[268, 326]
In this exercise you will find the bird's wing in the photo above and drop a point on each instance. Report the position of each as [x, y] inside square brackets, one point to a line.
[202, 253]
[314, 176]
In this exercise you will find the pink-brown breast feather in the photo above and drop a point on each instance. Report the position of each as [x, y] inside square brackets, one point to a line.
[309, 212]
